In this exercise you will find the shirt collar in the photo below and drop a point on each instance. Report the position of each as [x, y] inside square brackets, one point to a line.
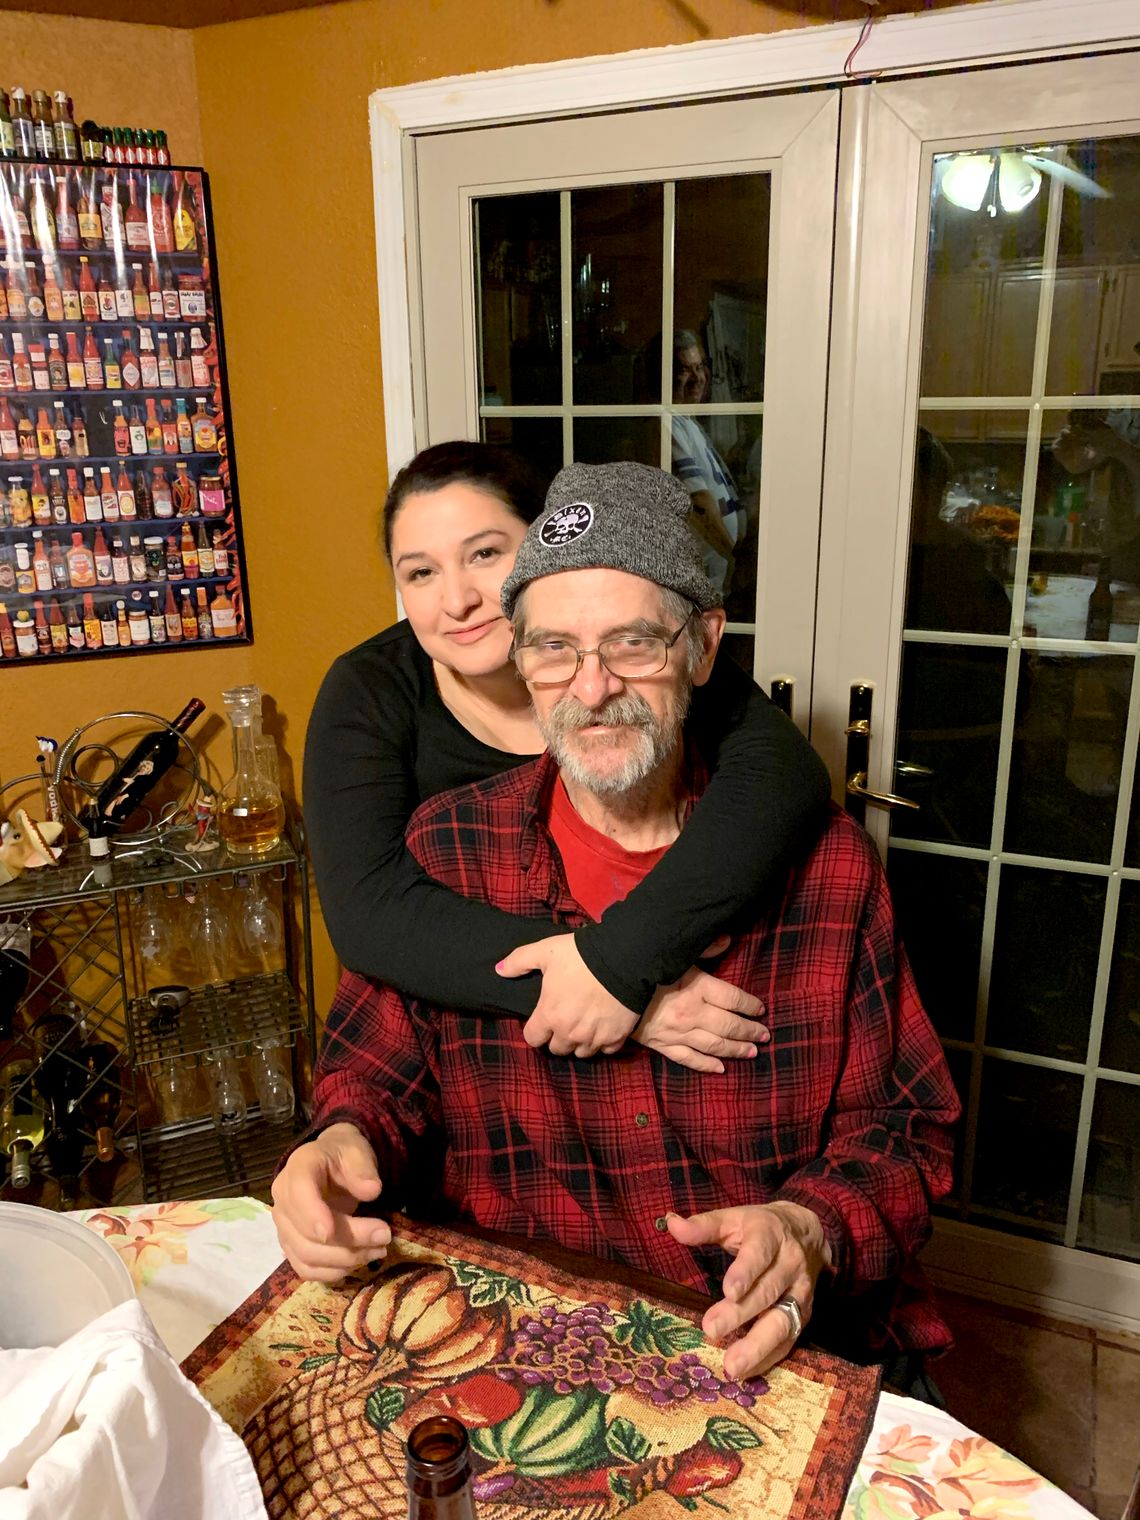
[539, 860]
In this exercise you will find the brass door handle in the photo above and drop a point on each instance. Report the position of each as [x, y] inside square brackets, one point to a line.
[911, 768]
[857, 787]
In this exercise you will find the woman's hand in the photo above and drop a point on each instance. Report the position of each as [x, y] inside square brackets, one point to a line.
[701, 1018]
[575, 1015]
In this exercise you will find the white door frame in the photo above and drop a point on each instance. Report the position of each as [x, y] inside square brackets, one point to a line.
[992, 31]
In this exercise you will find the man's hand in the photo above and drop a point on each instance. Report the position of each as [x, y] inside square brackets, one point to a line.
[780, 1249]
[701, 1018]
[575, 1014]
[315, 1196]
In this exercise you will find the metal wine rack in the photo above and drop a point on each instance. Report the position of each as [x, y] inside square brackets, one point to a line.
[79, 916]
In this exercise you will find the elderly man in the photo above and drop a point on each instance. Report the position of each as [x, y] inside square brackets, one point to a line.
[813, 1166]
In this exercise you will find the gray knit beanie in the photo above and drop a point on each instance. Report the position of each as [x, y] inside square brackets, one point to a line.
[614, 517]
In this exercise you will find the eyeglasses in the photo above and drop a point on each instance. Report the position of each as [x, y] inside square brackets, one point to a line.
[629, 656]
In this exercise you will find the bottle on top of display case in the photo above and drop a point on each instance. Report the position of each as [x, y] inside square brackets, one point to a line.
[43, 132]
[90, 142]
[22, 128]
[66, 132]
[7, 133]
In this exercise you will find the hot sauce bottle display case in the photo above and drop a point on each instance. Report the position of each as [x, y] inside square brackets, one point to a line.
[119, 517]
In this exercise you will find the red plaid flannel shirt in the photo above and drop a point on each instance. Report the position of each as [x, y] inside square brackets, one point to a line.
[848, 1110]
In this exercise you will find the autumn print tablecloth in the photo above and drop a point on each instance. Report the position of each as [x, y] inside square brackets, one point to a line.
[581, 1402]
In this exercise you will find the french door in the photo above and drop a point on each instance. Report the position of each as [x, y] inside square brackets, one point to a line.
[567, 265]
[980, 569]
[887, 334]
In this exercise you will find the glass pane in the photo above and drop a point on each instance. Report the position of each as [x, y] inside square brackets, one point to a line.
[720, 299]
[1093, 329]
[1110, 1209]
[1046, 944]
[740, 648]
[950, 707]
[717, 459]
[603, 440]
[616, 262]
[1090, 544]
[1068, 746]
[939, 903]
[965, 519]
[1120, 1044]
[537, 439]
[519, 291]
[1023, 1164]
[983, 283]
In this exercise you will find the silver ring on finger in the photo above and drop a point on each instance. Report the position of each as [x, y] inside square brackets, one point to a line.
[795, 1315]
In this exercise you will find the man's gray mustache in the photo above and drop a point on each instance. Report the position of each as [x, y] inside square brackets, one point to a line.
[629, 711]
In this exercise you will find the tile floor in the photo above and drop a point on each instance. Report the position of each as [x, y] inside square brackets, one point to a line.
[1062, 1397]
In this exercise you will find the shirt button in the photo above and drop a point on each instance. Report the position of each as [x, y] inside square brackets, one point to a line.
[641, 1120]
[661, 1223]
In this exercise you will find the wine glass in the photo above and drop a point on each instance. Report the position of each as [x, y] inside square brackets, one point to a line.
[259, 925]
[271, 1078]
[227, 1099]
[176, 1089]
[152, 935]
[213, 954]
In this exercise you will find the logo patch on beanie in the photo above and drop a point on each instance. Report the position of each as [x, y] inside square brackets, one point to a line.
[566, 524]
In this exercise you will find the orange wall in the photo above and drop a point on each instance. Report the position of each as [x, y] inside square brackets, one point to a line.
[276, 108]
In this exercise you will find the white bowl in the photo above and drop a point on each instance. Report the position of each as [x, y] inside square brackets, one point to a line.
[57, 1276]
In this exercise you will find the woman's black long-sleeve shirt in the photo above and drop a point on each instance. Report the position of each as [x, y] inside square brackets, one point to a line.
[381, 741]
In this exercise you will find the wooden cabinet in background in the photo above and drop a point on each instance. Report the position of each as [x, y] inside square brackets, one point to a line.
[1120, 335]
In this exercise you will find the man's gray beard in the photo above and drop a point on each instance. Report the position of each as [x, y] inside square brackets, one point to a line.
[656, 740]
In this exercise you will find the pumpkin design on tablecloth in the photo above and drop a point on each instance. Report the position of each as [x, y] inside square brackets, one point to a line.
[573, 1409]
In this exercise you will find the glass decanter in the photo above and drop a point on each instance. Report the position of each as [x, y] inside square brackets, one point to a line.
[251, 814]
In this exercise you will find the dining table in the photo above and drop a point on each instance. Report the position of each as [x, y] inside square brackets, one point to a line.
[193, 1263]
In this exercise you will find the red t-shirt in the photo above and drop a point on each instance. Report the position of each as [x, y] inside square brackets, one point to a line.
[598, 870]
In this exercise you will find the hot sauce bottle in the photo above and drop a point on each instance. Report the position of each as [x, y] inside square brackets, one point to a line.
[184, 429]
[161, 225]
[129, 364]
[57, 498]
[169, 430]
[76, 369]
[72, 305]
[57, 628]
[7, 376]
[35, 295]
[87, 215]
[185, 230]
[134, 219]
[205, 430]
[127, 508]
[66, 221]
[153, 428]
[205, 553]
[108, 626]
[205, 626]
[140, 297]
[53, 295]
[75, 512]
[166, 377]
[154, 293]
[43, 634]
[46, 445]
[92, 364]
[183, 492]
[188, 549]
[148, 360]
[92, 632]
[57, 364]
[112, 369]
[172, 619]
[187, 615]
[137, 431]
[88, 295]
[108, 302]
[80, 562]
[122, 433]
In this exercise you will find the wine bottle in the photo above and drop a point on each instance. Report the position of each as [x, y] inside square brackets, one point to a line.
[60, 1079]
[22, 1119]
[15, 955]
[130, 782]
[102, 1100]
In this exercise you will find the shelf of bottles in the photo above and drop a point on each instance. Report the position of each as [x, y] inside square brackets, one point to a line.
[119, 519]
[139, 1098]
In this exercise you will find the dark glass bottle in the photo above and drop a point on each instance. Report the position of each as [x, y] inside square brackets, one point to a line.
[60, 1078]
[1098, 624]
[130, 781]
[15, 955]
[103, 1098]
[439, 1471]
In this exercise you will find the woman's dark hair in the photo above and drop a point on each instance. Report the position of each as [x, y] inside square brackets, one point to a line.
[498, 471]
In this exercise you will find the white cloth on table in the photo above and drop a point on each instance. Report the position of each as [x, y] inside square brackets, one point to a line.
[106, 1427]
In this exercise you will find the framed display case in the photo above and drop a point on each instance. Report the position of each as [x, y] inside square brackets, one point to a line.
[120, 530]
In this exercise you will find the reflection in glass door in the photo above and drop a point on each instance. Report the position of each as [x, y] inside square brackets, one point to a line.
[1018, 707]
[629, 322]
[651, 287]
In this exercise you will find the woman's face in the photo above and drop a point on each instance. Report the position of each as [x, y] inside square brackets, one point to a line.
[451, 551]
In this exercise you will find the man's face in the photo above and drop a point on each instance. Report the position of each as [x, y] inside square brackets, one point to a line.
[607, 734]
[690, 376]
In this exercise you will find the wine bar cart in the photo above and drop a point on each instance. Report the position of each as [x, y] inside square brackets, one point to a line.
[161, 1097]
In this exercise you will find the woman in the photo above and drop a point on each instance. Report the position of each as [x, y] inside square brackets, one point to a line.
[435, 702]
